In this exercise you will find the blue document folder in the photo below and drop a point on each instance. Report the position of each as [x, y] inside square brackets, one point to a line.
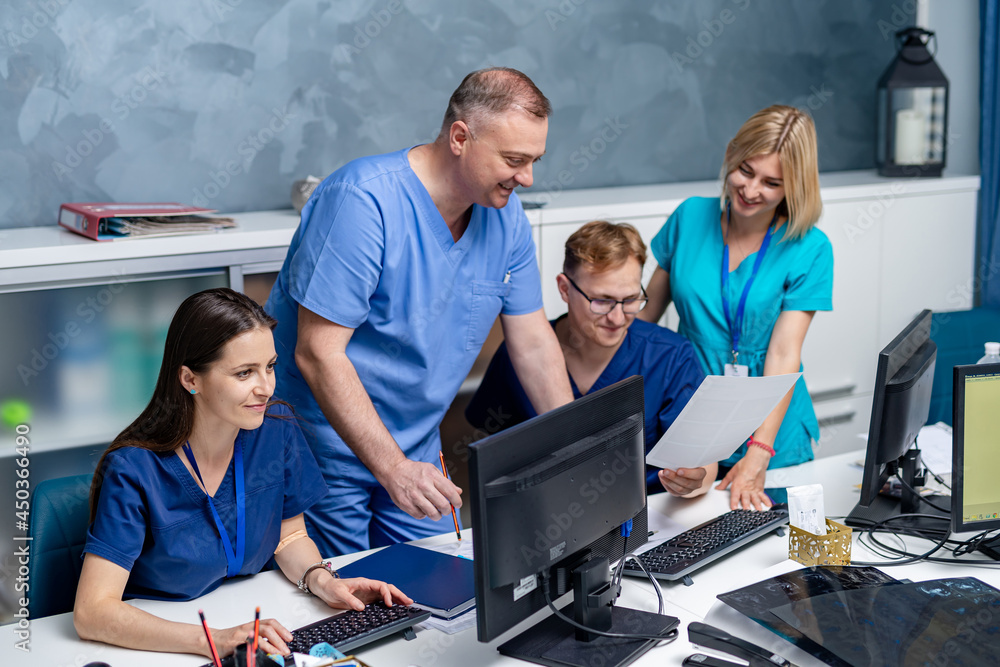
[443, 585]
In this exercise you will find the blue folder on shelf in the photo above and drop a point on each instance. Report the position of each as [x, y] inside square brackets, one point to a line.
[442, 584]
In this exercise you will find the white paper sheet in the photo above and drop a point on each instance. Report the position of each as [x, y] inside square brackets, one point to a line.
[935, 443]
[721, 415]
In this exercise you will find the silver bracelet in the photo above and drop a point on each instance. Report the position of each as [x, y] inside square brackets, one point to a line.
[303, 586]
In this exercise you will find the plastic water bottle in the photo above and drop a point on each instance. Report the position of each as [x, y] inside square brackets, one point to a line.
[992, 354]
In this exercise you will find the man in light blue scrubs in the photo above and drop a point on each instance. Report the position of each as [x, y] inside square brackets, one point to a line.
[398, 269]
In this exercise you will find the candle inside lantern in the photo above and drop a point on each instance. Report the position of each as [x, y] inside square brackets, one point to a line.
[911, 137]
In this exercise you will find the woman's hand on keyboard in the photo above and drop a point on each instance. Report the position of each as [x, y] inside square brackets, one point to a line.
[746, 480]
[356, 593]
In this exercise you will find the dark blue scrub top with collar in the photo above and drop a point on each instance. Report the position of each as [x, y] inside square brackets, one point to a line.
[666, 361]
[153, 520]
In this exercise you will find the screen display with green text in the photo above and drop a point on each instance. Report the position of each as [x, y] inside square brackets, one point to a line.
[981, 500]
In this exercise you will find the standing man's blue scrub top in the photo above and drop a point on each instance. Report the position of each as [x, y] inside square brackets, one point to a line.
[795, 275]
[153, 519]
[373, 254]
[665, 360]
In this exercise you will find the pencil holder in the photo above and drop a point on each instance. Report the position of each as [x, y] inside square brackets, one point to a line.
[239, 658]
[834, 548]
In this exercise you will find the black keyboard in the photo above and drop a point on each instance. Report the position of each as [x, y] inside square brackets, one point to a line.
[680, 555]
[350, 629]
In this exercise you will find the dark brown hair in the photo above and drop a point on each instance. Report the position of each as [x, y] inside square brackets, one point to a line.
[201, 327]
[492, 91]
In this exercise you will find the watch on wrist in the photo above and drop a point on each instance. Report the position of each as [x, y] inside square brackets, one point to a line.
[303, 586]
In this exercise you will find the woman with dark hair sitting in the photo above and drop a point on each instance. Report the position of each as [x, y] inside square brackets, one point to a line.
[208, 483]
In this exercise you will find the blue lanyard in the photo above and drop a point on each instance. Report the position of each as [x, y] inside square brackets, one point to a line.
[735, 328]
[234, 561]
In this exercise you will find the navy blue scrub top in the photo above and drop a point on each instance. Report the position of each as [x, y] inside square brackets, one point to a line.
[666, 361]
[152, 518]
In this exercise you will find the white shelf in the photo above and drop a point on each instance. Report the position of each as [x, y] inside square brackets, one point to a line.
[53, 245]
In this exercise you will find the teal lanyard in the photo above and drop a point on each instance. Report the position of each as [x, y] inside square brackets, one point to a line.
[736, 326]
[234, 560]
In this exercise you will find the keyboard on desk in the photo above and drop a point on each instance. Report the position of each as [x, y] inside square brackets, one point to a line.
[680, 555]
[348, 630]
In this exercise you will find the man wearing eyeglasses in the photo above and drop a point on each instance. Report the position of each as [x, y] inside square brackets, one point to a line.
[603, 343]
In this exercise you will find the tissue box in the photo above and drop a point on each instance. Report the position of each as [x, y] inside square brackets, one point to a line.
[834, 548]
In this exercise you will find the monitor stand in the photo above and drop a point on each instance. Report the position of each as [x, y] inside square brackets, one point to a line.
[556, 643]
[886, 507]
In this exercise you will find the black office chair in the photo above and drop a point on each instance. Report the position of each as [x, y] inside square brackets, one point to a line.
[58, 527]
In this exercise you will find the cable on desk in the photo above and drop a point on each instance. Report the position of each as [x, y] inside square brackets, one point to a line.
[943, 541]
[908, 558]
[666, 639]
[937, 477]
[959, 549]
[910, 531]
[914, 492]
[616, 578]
[971, 544]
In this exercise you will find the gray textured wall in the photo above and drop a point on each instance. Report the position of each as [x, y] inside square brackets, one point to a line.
[226, 102]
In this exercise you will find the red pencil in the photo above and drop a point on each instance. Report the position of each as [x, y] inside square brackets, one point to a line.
[211, 644]
[256, 633]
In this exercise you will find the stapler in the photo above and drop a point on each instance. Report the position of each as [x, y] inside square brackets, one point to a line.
[720, 640]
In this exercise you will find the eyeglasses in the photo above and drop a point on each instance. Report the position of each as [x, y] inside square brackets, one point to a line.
[605, 306]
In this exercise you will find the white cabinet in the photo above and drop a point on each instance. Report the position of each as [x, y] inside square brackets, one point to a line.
[899, 247]
[837, 354]
[89, 318]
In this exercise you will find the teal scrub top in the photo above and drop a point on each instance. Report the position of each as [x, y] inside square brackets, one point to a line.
[794, 275]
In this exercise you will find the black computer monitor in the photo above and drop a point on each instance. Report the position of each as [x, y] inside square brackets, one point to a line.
[976, 457]
[553, 500]
[900, 405]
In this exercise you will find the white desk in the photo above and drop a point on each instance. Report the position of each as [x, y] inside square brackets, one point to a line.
[55, 643]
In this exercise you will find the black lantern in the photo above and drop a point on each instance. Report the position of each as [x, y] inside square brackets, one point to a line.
[912, 110]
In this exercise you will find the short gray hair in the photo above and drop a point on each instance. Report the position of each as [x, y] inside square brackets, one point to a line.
[492, 91]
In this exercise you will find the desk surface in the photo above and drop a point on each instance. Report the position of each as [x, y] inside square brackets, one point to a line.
[53, 641]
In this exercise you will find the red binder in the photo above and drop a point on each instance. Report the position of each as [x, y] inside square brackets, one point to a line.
[86, 218]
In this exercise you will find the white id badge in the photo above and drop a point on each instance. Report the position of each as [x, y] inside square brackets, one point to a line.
[737, 370]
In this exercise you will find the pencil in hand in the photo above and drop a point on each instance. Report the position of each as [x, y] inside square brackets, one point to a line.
[454, 517]
[211, 644]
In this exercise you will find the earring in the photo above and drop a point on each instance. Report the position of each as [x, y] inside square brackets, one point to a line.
[194, 391]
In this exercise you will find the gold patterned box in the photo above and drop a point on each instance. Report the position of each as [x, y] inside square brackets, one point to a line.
[834, 548]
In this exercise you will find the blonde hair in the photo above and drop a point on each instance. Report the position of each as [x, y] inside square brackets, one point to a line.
[602, 245]
[791, 134]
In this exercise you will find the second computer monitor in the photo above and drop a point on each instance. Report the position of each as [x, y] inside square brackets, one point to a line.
[976, 456]
[900, 406]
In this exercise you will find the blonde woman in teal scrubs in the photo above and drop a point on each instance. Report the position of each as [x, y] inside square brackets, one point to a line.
[747, 271]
